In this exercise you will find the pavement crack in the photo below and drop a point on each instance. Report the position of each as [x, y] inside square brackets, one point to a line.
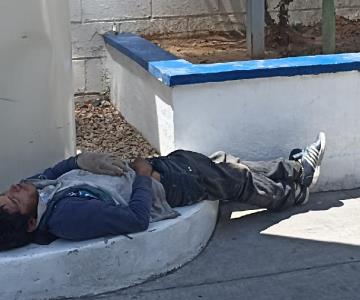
[251, 276]
[8, 100]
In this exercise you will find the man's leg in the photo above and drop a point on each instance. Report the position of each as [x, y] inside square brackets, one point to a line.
[274, 169]
[189, 177]
[269, 184]
[276, 184]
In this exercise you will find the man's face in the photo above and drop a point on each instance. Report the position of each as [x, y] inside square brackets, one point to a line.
[20, 198]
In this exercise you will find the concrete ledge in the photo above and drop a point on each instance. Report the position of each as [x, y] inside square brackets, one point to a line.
[172, 71]
[72, 269]
[137, 48]
[182, 72]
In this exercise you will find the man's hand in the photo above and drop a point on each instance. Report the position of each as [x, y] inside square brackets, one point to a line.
[101, 163]
[142, 167]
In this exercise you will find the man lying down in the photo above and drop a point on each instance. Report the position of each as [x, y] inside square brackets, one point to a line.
[94, 195]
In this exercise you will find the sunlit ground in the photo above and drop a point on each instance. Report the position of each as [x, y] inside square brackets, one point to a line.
[240, 214]
[337, 224]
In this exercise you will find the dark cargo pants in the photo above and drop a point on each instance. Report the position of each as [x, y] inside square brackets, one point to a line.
[189, 177]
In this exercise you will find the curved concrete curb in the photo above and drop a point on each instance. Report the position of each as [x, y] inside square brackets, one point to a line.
[70, 269]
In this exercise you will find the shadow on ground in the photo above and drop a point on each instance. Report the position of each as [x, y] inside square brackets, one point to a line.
[309, 252]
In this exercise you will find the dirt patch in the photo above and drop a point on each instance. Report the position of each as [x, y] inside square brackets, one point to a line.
[101, 128]
[215, 47]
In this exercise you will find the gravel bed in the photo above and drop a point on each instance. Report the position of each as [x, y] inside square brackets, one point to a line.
[101, 128]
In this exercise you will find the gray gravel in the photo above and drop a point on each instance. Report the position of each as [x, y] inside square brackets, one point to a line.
[101, 128]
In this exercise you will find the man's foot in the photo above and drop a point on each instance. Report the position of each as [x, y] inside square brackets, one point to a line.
[310, 159]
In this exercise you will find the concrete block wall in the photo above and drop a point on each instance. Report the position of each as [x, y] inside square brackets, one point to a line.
[91, 18]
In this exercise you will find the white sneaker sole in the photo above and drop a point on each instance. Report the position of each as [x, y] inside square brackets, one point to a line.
[306, 200]
[316, 176]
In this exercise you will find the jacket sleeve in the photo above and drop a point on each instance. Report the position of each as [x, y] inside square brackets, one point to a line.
[58, 170]
[79, 219]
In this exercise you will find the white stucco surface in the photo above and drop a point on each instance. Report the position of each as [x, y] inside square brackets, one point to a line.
[72, 269]
[36, 97]
[144, 101]
[265, 118]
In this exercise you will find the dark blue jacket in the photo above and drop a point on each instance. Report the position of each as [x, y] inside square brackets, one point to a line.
[80, 218]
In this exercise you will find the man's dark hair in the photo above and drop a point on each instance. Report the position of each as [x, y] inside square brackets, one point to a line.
[13, 230]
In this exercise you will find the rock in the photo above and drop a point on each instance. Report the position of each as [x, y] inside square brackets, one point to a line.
[101, 128]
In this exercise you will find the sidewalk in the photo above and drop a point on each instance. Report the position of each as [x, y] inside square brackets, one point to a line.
[310, 252]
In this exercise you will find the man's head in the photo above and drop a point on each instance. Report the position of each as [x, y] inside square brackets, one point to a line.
[18, 213]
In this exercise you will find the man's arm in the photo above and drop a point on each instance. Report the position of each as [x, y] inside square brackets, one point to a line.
[97, 163]
[79, 219]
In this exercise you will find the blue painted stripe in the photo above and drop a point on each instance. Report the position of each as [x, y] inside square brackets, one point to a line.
[135, 47]
[181, 72]
[172, 71]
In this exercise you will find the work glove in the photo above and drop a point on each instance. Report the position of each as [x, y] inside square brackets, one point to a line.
[102, 163]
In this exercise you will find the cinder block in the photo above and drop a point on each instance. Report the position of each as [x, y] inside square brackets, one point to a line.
[162, 8]
[79, 76]
[232, 6]
[79, 98]
[305, 17]
[314, 4]
[305, 4]
[348, 4]
[217, 23]
[115, 9]
[272, 4]
[155, 26]
[351, 13]
[296, 5]
[75, 11]
[87, 40]
[94, 75]
[201, 24]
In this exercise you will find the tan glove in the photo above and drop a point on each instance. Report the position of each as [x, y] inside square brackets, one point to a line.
[102, 163]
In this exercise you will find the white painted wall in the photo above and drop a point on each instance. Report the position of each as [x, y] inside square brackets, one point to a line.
[36, 105]
[146, 102]
[265, 118]
[91, 18]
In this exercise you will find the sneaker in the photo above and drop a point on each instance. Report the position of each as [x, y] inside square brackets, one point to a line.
[311, 160]
[296, 154]
[303, 197]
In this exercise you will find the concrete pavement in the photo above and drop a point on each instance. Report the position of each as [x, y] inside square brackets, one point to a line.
[309, 252]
